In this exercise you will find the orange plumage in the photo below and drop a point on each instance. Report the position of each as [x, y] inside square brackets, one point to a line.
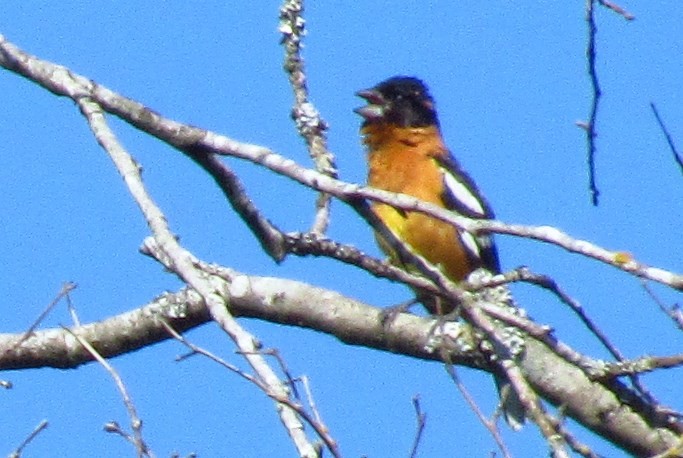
[407, 154]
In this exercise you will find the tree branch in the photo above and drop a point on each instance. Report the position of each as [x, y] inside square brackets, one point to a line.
[63, 82]
[167, 250]
[639, 429]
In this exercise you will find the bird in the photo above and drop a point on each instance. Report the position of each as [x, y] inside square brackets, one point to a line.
[406, 154]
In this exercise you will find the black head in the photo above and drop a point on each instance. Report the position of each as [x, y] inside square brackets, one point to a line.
[402, 100]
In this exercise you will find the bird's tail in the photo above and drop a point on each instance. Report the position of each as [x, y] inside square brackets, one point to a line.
[511, 406]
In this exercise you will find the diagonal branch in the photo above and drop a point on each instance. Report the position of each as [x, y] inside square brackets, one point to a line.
[269, 236]
[135, 421]
[63, 82]
[181, 262]
[678, 158]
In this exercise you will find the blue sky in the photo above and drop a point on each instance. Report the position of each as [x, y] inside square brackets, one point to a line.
[510, 82]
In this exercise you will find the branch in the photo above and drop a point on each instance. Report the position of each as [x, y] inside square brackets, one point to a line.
[181, 262]
[595, 100]
[217, 289]
[677, 155]
[320, 428]
[308, 121]
[135, 421]
[617, 9]
[63, 82]
[37, 430]
[635, 428]
[591, 54]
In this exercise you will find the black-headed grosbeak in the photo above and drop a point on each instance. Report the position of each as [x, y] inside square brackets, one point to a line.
[406, 154]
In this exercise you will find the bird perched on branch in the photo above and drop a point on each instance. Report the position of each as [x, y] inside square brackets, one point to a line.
[407, 154]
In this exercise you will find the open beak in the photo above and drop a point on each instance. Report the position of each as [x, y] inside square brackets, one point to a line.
[374, 110]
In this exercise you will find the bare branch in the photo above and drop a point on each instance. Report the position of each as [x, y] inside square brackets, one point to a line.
[674, 312]
[638, 366]
[421, 418]
[308, 121]
[37, 430]
[63, 82]
[617, 9]
[291, 381]
[550, 284]
[574, 443]
[488, 424]
[182, 263]
[135, 421]
[63, 292]
[268, 235]
[310, 398]
[595, 100]
[590, 125]
[677, 155]
[320, 428]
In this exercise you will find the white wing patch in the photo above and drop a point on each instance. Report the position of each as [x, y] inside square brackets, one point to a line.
[462, 194]
[470, 243]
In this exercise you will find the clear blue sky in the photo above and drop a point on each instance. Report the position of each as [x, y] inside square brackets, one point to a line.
[510, 82]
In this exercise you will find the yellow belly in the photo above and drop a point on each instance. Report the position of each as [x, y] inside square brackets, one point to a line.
[432, 239]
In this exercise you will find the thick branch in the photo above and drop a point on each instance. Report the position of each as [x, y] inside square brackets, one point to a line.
[639, 430]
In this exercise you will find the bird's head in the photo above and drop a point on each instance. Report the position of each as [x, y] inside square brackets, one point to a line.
[403, 101]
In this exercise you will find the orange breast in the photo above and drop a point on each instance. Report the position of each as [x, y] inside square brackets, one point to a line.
[402, 160]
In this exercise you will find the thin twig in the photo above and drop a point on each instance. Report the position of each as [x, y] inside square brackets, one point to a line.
[590, 126]
[70, 307]
[113, 427]
[617, 9]
[488, 424]
[595, 99]
[40, 427]
[291, 381]
[319, 427]
[677, 155]
[576, 445]
[311, 400]
[675, 312]
[421, 418]
[63, 292]
[550, 284]
[640, 365]
[197, 350]
[135, 421]
[267, 234]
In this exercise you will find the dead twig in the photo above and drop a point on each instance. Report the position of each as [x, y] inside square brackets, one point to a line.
[421, 418]
[63, 292]
[135, 421]
[676, 154]
[17, 451]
